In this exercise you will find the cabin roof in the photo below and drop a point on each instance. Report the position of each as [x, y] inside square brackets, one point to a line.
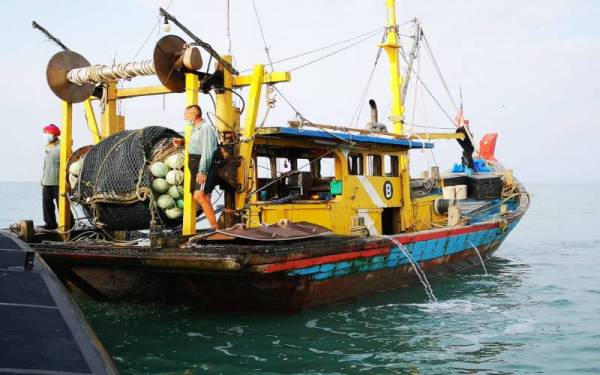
[342, 137]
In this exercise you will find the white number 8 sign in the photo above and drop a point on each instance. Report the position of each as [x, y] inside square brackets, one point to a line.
[388, 190]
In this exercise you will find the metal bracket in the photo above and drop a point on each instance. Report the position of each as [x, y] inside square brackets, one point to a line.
[207, 47]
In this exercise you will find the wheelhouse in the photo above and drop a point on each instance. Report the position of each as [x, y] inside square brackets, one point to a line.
[349, 183]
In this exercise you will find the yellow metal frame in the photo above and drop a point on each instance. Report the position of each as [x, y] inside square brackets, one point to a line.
[64, 211]
[245, 152]
[112, 123]
[189, 204]
[362, 197]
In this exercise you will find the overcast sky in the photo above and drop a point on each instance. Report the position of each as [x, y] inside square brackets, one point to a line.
[528, 70]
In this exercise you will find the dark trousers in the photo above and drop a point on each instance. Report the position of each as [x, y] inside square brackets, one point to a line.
[468, 148]
[49, 196]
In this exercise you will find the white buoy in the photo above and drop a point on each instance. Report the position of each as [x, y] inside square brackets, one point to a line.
[176, 191]
[165, 202]
[72, 180]
[159, 169]
[174, 213]
[75, 167]
[176, 160]
[160, 185]
[174, 177]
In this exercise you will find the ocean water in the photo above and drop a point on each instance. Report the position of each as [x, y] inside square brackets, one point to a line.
[537, 311]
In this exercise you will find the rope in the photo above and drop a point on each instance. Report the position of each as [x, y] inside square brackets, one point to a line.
[372, 32]
[151, 32]
[431, 94]
[332, 53]
[262, 33]
[228, 35]
[304, 120]
[361, 102]
[438, 70]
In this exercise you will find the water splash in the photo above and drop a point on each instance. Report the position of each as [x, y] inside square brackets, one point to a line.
[480, 258]
[418, 270]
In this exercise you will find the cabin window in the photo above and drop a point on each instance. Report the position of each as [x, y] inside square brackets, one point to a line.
[263, 167]
[303, 165]
[327, 168]
[391, 165]
[355, 164]
[374, 165]
[283, 166]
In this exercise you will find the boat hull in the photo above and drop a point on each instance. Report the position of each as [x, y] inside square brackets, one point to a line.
[288, 284]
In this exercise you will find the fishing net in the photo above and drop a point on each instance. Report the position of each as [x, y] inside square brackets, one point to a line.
[115, 184]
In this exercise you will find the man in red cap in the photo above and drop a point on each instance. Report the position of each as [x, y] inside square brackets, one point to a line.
[50, 175]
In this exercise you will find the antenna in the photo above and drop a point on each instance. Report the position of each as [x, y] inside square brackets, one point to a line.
[50, 36]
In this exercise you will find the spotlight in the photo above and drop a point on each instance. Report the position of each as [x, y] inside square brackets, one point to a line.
[166, 27]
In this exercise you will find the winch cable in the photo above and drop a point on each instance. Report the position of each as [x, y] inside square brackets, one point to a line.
[298, 114]
[151, 32]
[332, 53]
[228, 30]
[418, 77]
[262, 33]
[304, 120]
[319, 49]
[438, 71]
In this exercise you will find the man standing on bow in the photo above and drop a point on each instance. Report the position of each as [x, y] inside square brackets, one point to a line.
[50, 176]
[203, 152]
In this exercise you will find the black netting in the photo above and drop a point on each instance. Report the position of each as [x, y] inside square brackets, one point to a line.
[114, 182]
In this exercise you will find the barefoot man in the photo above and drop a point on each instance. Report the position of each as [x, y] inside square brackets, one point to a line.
[203, 147]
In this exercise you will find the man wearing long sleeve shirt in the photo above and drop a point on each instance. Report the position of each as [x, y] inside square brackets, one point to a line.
[203, 149]
[50, 176]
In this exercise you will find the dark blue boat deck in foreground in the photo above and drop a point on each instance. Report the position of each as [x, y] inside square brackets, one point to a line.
[42, 331]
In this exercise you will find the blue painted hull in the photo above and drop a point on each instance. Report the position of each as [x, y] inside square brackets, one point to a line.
[284, 277]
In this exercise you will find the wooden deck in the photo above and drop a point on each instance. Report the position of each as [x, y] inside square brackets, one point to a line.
[42, 331]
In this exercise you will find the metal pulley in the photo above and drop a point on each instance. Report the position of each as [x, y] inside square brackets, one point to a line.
[72, 78]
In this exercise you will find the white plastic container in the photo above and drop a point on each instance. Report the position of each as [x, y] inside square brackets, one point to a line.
[461, 191]
[449, 192]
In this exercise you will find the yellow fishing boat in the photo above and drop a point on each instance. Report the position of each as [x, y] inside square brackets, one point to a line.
[314, 213]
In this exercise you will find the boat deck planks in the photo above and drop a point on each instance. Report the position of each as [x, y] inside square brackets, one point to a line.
[42, 331]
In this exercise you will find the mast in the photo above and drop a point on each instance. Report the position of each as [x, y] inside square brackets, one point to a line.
[411, 58]
[391, 47]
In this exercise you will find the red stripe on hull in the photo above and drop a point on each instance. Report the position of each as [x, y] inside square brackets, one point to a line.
[308, 262]
[434, 235]
[303, 263]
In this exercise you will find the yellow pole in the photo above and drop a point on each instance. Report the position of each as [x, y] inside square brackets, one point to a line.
[110, 123]
[66, 132]
[189, 204]
[391, 47]
[229, 128]
[91, 118]
[224, 120]
[247, 144]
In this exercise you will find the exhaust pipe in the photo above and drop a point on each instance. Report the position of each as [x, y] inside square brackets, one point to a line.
[374, 116]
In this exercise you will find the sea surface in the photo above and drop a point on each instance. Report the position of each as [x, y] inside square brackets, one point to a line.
[537, 311]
